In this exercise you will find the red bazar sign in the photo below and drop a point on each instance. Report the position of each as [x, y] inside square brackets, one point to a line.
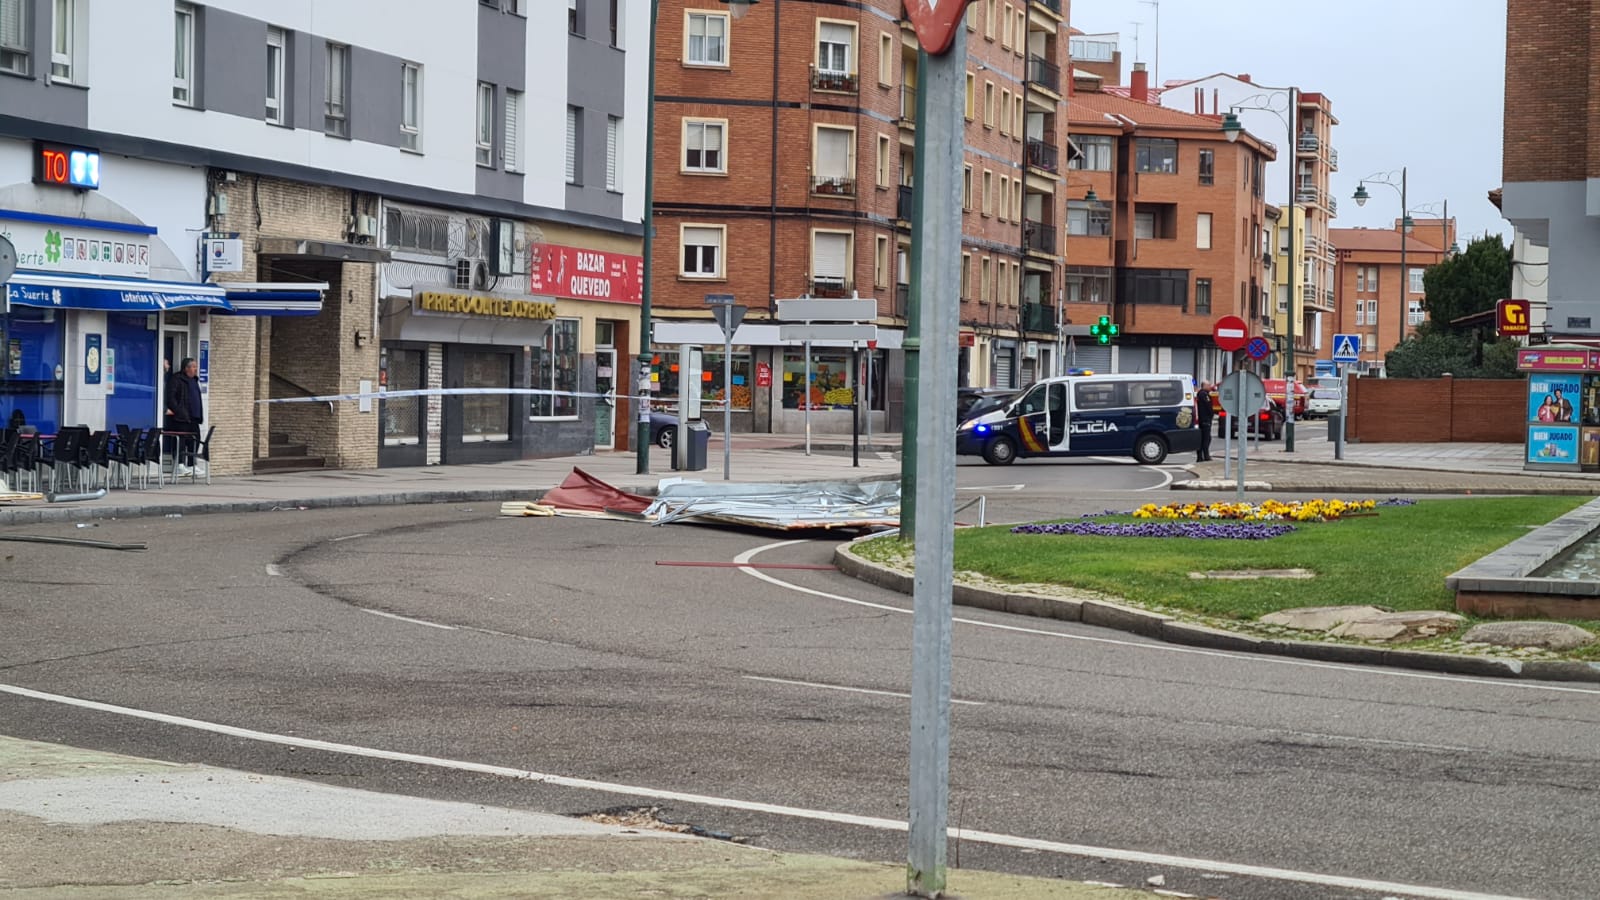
[1511, 317]
[583, 274]
[1230, 333]
[1561, 359]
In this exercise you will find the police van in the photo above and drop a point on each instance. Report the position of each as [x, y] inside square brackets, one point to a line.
[1146, 416]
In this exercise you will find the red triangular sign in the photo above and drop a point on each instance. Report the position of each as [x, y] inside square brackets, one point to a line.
[935, 22]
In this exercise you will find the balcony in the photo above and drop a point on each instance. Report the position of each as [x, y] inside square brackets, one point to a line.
[1333, 159]
[1308, 293]
[833, 186]
[903, 202]
[908, 106]
[1052, 5]
[902, 300]
[1044, 73]
[1333, 206]
[1308, 144]
[830, 287]
[1038, 317]
[840, 82]
[1041, 154]
[1305, 194]
[1039, 236]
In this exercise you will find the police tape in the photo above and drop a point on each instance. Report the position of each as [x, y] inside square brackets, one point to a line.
[453, 392]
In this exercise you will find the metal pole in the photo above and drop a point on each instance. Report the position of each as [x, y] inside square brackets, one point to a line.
[642, 439]
[869, 396]
[805, 397]
[939, 146]
[1294, 300]
[727, 404]
[1227, 426]
[911, 346]
[1405, 273]
[855, 407]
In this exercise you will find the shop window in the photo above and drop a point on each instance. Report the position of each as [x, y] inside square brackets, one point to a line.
[555, 368]
[404, 369]
[485, 418]
[832, 385]
[711, 380]
[30, 353]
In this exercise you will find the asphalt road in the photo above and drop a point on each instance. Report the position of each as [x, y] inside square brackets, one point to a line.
[564, 646]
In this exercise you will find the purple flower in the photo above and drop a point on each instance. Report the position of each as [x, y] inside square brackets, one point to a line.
[1202, 530]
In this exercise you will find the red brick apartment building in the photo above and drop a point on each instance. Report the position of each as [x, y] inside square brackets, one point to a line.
[1379, 299]
[1175, 237]
[783, 153]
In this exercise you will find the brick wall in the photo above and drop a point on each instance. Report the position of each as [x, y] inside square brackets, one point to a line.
[1429, 410]
[1552, 96]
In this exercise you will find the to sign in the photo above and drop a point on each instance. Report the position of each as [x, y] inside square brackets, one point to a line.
[1230, 333]
[1511, 317]
[58, 164]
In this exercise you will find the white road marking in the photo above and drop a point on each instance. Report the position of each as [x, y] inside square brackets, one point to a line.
[390, 615]
[274, 571]
[983, 837]
[994, 487]
[1258, 659]
[853, 690]
[348, 537]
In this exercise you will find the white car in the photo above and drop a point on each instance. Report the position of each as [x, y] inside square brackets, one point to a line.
[1322, 402]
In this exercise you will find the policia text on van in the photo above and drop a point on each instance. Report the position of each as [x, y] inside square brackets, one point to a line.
[1146, 416]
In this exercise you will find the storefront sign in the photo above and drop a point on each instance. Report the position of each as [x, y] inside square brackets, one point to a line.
[58, 164]
[223, 254]
[116, 298]
[91, 359]
[585, 274]
[445, 302]
[763, 375]
[1560, 360]
[48, 247]
[1512, 317]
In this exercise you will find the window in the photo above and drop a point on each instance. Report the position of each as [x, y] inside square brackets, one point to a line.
[485, 132]
[886, 59]
[883, 160]
[1361, 312]
[835, 48]
[554, 367]
[988, 19]
[1144, 225]
[1016, 117]
[1005, 197]
[971, 92]
[984, 281]
[1202, 296]
[706, 39]
[1156, 155]
[966, 276]
[1283, 238]
[1282, 291]
[1415, 285]
[335, 94]
[513, 131]
[1095, 155]
[966, 188]
[15, 36]
[834, 168]
[1016, 199]
[1208, 167]
[613, 152]
[1088, 219]
[574, 18]
[830, 263]
[574, 141]
[417, 232]
[182, 49]
[276, 41]
[988, 192]
[972, 17]
[1414, 312]
[64, 41]
[1005, 111]
[615, 19]
[1005, 28]
[880, 263]
[702, 146]
[988, 104]
[411, 106]
[702, 251]
[1202, 231]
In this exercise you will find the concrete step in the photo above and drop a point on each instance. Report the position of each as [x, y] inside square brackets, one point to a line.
[289, 463]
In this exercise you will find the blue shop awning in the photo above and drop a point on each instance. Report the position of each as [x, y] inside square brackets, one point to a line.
[63, 291]
[276, 298]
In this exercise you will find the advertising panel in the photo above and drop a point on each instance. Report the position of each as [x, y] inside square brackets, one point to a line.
[1553, 399]
[1553, 444]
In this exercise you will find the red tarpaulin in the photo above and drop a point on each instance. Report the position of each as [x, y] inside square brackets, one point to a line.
[583, 491]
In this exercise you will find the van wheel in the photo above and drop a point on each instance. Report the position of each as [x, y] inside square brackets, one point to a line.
[1150, 450]
[1000, 452]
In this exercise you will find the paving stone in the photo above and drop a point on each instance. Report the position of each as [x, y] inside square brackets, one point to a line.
[1549, 635]
[1319, 618]
[1393, 626]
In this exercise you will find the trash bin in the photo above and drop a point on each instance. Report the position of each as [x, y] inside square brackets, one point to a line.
[699, 440]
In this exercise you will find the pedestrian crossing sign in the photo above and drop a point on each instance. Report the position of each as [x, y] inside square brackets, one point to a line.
[1346, 348]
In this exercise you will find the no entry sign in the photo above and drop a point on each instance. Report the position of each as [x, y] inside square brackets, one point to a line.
[1230, 333]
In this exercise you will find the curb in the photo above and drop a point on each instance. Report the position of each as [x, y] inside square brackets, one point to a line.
[1167, 629]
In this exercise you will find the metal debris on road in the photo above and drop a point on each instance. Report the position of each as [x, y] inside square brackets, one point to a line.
[786, 507]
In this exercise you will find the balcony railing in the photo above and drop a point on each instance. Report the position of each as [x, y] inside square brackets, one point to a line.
[1307, 195]
[1308, 293]
[908, 105]
[1333, 206]
[1308, 143]
[902, 300]
[902, 203]
[1041, 154]
[830, 287]
[1039, 236]
[833, 185]
[843, 82]
[1333, 159]
[1038, 317]
[1052, 5]
[1044, 73]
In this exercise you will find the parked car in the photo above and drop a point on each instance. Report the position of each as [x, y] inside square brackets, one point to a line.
[1323, 402]
[663, 428]
[1275, 391]
[1268, 422]
[977, 401]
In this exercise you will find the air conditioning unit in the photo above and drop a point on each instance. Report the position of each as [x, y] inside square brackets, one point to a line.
[472, 274]
[366, 226]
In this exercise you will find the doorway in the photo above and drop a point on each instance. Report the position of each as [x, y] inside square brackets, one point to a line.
[605, 386]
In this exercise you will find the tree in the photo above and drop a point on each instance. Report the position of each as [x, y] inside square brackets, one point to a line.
[1468, 282]
[1429, 355]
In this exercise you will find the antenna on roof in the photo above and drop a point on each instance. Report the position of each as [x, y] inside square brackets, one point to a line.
[1155, 67]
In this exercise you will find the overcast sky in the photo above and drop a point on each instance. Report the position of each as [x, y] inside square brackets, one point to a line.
[1413, 83]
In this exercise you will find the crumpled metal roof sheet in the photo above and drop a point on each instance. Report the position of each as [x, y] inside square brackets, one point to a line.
[787, 507]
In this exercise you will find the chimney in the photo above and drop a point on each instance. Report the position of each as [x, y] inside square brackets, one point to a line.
[1245, 77]
[1139, 89]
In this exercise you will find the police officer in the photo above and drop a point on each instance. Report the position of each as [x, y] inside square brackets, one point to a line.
[1203, 411]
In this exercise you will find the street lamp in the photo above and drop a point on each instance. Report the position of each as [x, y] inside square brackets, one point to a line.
[1361, 196]
[1233, 128]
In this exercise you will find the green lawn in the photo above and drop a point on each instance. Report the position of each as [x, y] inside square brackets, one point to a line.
[1396, 556]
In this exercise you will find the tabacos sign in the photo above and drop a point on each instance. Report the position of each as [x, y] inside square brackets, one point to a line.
[81, 251]
[585, 274]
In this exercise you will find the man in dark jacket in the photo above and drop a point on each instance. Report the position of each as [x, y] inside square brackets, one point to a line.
[1203, 411]
[185, 412]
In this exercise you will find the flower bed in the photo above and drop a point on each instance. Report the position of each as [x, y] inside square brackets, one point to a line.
[1265, 511]
[1242, 531]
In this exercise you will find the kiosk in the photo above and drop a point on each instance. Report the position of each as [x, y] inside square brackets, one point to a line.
[1562, 412]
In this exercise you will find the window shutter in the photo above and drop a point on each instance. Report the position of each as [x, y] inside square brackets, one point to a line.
[830, 255]
[572, 143]
[612, 127]
[840, 36]
[833, 153]
[513, 135]
[11, 32]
